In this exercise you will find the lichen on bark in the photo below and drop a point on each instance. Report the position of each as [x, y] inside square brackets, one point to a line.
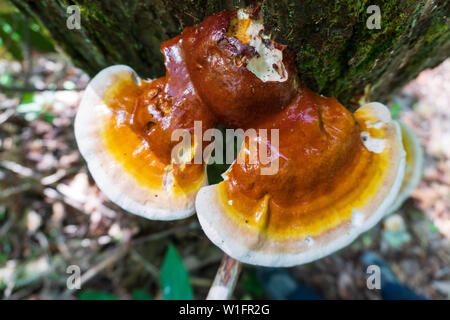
[337, 54]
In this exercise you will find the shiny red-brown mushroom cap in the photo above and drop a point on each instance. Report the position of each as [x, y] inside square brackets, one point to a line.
[338, 173]
[239, 72]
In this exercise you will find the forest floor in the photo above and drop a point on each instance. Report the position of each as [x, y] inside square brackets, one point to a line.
[52, 214]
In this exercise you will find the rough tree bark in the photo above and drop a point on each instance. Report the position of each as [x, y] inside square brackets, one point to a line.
[337, 54]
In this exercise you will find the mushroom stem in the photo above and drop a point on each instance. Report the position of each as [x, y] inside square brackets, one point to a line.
[225, 280]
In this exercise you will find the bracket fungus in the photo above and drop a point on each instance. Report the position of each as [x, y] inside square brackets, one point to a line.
[123, 131]
[337, 173]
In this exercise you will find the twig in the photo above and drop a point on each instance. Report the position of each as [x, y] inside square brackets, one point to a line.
[15, 190]
[58, 175]
[57, 195]
[166, 233]
[225, 280]
[116, 255]
[16, 168]
[213, 259]
[149, 267]
[25, 292]
[200, 282]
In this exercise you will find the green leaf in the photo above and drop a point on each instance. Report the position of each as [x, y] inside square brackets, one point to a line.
[96, 295]
[13, 46]
[139, 294]
[33, 110]
[2, 213]
[18, 32]
[174, 279]
[27, 97]
[28, 28]
[395, 110]
[49, 117]
[252, 284]
[7, 28]
[432, 227]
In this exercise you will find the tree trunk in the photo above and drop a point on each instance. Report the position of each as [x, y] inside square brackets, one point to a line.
[337, 54]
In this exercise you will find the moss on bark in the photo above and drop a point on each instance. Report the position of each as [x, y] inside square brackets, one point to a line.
[337, 54]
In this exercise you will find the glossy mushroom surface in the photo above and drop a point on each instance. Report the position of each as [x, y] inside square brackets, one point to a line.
[336, 174]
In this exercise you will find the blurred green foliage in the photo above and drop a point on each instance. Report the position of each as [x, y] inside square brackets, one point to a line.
[19, 35]
[432, 227]
[17, 32]
[33, 108]
[96, 295]
[5, 79]
[252, 285]
[2, 214]
[395, 110]
[139, 294]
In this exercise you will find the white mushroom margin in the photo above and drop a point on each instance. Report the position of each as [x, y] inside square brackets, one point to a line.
[119, 186]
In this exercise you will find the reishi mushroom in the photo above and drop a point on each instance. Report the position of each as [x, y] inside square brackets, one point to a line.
[338, 175]
[338, 172]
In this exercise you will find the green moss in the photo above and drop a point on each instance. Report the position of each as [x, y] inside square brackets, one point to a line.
[336, 53]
